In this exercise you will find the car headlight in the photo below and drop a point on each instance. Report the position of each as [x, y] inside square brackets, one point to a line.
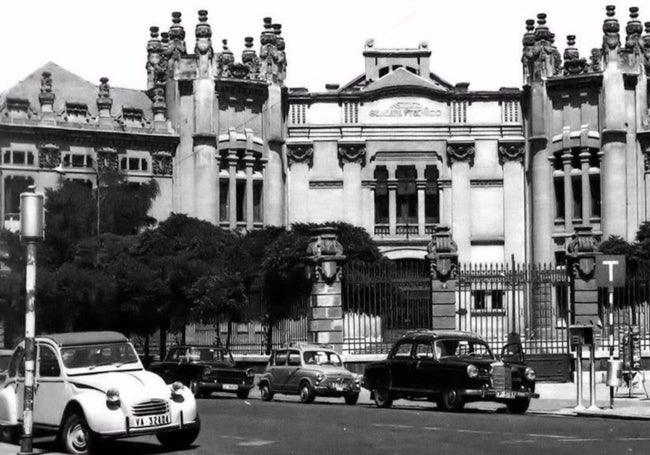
[112, 398]
[357, 379]
[207, 371]
[177, 391]
[530, 374]
[250, 373]
[472, 371]
[319, 377]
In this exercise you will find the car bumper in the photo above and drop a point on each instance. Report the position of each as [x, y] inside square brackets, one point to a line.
[206, 386]
[133, 432]
[498, 395]
[332, 391]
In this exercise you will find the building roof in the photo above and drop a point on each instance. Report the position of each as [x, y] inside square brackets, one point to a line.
[82, 338]
[403, 78]
[71, 88]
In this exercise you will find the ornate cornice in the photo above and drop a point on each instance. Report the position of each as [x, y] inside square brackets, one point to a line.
[300, 153]
[461, 151]
[511, 151]
[352, 153]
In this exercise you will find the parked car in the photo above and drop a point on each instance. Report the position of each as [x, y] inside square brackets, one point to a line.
[205, 369]
[5, 356]
[453, 368]
[92, 386]
[308, 370]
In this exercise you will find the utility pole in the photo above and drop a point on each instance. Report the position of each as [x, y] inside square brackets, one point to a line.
[31, 231]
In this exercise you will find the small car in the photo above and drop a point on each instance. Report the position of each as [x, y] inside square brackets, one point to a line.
[91, 386]
[5, 356]
[453, 368]
[308, 370]
[205, 369]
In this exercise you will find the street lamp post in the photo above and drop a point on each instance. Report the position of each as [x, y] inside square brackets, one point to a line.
[31, 231]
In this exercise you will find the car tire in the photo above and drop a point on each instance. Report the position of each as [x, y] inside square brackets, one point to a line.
[10, 434]
[351, 398]
[381, 392]
[450, 400]
[76, 435]
[306, 392]
[180, 439]
[265, 392]
[518, 405]
[243, 394]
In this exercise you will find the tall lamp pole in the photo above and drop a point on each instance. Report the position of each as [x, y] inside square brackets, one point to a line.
[31, 231]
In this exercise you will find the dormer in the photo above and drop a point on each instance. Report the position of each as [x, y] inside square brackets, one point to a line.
[133, 117]
[380, 62]
[76, 112]
[18, 108]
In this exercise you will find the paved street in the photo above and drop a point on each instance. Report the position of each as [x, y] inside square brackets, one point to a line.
[285, 426]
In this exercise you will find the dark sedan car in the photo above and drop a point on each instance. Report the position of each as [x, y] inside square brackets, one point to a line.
[205, 369]
[453, 368]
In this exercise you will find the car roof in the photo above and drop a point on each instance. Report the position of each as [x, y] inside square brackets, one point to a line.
[436, 334]
[306, 345]
[82, 338]
[198, 346]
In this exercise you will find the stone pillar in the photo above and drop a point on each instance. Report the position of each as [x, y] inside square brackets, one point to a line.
[585, 157]
[352, 157]
[568, 191]
[421, 185]
[460, 155]
[443, 257]
[613, 184]
[104, 104]
[274, 189]
[392, 203]
[232, 189]
[542, 198]
[646, 179]
[300, 157]
[511, 157]
[325, 258]
[582, 261]
[46, 99]
[206, 178]
[249, 162]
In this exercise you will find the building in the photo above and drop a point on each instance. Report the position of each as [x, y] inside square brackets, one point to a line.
[397, 150]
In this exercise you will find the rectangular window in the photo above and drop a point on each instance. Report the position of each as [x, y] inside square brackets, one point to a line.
[594, 186]
[223, 200]
[480, 302]
[257, 201]
[381, 195]
[576, 184]
[350, 112]
[558, 184]
[431, 196]
[407, 198]
[241, 199]
[459, 112]
[488, 300]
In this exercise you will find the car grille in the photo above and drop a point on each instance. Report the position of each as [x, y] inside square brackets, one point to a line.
[501, 377]
[150, 407]
[228, 377]
[338, 380]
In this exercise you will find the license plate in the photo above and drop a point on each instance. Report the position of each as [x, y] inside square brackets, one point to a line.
[152, 421]
[338, 387]
[506, 394]
[230, 387]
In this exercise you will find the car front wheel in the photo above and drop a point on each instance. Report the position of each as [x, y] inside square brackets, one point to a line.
[266, 393]
[181, 439]
[306, 392]
[351, 398]
[76, 435]
[450, 400]
[383, 398]
[518, 405]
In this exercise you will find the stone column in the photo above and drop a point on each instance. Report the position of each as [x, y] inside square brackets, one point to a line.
[46, 99]
[206, 178]
[568, 191]
[542, 199]
[392, 202]
[613, 184]
[585, 157]
[249, 162]
[325, 258]
[443, 257]
[421, 185]
[104, 104]
[460, 155]
[300, 157]
[232, 189]
[352, 157]
[274, 189]
[511, 157]
[646, 179]
[582, 256]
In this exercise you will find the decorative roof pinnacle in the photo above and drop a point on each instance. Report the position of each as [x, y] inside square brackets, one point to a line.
[153, 32]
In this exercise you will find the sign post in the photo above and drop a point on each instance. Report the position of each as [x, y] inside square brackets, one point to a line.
[610, 273]
[31, 231]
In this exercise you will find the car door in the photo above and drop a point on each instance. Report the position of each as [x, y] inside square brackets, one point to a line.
[278, 371]
[16, 381]
[425, 367]
[400, 363]
[293, 371]
[50, 397]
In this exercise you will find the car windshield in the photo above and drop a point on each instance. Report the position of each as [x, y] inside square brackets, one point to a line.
[462, 348]
[199, 354]
[322, 358]
[95, 355]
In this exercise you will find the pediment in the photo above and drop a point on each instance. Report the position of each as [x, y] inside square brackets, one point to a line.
[402, 78]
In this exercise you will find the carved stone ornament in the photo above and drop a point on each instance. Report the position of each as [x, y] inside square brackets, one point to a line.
[175, 48]
[300, 153]
[225, 59]
[633, 29]
[595, 60]
[442, 253]
[461, 152]
[49, 155]
[611, 27]
[104, 100]
[573, 64]
[352, 153]
[326, 255]
[511, 151]
[162, 163]
[250, 59]
[527, 56]
[46, 96]
[107, 159]
[645, 49]
[582, 251]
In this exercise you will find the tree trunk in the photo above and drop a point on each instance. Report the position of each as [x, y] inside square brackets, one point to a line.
[269, 338]
[228, 336]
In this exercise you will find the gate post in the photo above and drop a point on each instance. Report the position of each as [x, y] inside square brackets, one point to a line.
[325, 259]
[582, 255]
[443, 261]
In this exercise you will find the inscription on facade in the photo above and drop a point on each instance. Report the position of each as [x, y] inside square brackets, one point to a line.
[406, 109]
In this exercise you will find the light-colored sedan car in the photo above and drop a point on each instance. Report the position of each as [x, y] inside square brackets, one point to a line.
[92, 386]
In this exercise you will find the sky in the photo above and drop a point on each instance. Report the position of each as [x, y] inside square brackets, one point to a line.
[475, 41]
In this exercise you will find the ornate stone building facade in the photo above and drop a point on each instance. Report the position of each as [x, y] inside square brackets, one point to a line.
[397, 150]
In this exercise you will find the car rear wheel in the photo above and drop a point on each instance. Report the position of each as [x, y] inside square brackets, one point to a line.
[243, 394]
[450, 400]
[383, 398]
[265, 391]
[306, 392]
[76, 435]
[181, 439]
[518, 405]
[351, 398]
